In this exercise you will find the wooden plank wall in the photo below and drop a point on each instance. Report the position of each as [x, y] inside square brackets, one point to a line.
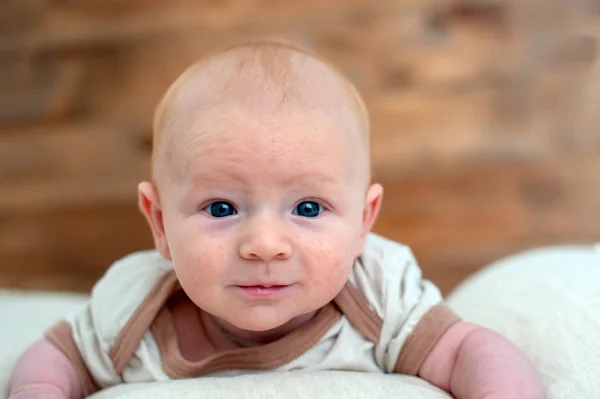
[484, 113]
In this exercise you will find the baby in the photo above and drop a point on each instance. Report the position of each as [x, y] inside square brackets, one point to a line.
[261, 208]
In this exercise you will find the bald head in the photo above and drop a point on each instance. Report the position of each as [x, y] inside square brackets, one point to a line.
[263, 81]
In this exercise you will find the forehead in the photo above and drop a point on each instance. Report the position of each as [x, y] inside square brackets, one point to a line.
[279, 147]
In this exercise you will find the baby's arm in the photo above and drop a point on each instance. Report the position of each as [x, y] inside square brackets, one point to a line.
[473, 362]
[44, 371]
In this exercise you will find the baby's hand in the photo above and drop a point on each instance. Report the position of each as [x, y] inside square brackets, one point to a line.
[473, 362]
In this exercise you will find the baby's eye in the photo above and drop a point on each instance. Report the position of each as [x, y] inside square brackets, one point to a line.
[308, 209]
[220, 209]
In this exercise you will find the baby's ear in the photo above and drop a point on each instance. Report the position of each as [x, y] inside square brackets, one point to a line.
[149, 203]
[370, 212]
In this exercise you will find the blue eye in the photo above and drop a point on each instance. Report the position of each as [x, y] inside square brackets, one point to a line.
[220, 209]
[308, 209]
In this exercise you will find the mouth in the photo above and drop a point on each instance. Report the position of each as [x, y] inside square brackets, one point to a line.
[263, 286]
[262, 291]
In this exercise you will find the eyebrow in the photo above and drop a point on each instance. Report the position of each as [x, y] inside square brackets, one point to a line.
[315, 179]
[216, 179]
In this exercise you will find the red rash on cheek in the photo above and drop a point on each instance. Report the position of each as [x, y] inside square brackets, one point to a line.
[328, 256]
[331, 261]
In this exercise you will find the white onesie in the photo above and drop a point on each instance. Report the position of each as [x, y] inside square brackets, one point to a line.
[386, 319]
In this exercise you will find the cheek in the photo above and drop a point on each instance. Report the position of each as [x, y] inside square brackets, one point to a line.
[198, 257]
[331, 262]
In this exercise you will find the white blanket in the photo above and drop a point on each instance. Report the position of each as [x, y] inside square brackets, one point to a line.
[546, 301]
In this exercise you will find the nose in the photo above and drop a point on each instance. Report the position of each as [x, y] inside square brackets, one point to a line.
[265, 240]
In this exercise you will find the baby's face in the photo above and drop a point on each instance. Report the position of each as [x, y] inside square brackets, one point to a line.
[264, 215]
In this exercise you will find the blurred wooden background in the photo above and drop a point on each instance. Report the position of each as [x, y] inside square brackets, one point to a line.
[484, 113]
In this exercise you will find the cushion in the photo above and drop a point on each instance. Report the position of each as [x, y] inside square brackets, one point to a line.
[289, 385]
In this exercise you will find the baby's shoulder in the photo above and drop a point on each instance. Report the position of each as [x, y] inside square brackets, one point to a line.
[133, 274]
[383, 259]
[383, 267]
[115, 319]
[125, 285]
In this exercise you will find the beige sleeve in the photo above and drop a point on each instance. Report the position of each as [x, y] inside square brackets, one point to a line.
[61, 335]
[427, 332]
[412, 309]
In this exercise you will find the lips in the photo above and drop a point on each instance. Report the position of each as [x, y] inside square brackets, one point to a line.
[262, 291]
[263, 286]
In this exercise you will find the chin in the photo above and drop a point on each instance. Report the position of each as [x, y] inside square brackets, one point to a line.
[258, 324]
[260, 319]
